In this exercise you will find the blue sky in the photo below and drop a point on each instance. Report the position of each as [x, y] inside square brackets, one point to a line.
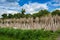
[31, 6]
[22, 2]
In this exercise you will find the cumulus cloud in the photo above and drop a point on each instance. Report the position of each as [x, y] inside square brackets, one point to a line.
[12, 6]
[9, 5]
[34, 7]
[2, 11]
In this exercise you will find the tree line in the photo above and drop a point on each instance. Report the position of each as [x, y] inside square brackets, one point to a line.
[34, 15]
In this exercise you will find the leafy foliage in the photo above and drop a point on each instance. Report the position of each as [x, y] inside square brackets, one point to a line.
[28, 34]
[56, 12]
[4, 16]
[23, 11]
[34, 15]
[10, 16]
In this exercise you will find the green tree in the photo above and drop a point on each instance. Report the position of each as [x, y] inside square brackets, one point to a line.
[35, 15]
[56, 12]
[15, 15]
[18, 15]
[41, 13]
[44, 12]
[23, 11]
[28, 15]
[10, 16]
[4, 16]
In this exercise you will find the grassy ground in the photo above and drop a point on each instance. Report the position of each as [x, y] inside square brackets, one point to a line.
[6, 38]
[11, 38]
[17, 34]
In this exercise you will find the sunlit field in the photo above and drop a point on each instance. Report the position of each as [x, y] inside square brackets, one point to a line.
[29, 19]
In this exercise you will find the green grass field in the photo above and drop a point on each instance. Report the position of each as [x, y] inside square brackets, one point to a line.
[18, 34]
[7, 38]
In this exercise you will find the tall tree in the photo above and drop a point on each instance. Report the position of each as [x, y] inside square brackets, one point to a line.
[10, 16]
[56, 12]
[15, 15]
[41, 13]
[35, 15]
[28, 15]
[44, 12]
[23, 11]
[4, 16]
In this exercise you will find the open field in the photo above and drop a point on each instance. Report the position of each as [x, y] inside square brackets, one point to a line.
[29, 19]
[18, 34]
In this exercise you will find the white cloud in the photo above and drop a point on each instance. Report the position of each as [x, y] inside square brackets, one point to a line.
[34, 7]
[9, 0]
[9, 6]
[2, 11]
[57, 8]
[58, 1]
[2, 0]
[54, 3]
[14, 7]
